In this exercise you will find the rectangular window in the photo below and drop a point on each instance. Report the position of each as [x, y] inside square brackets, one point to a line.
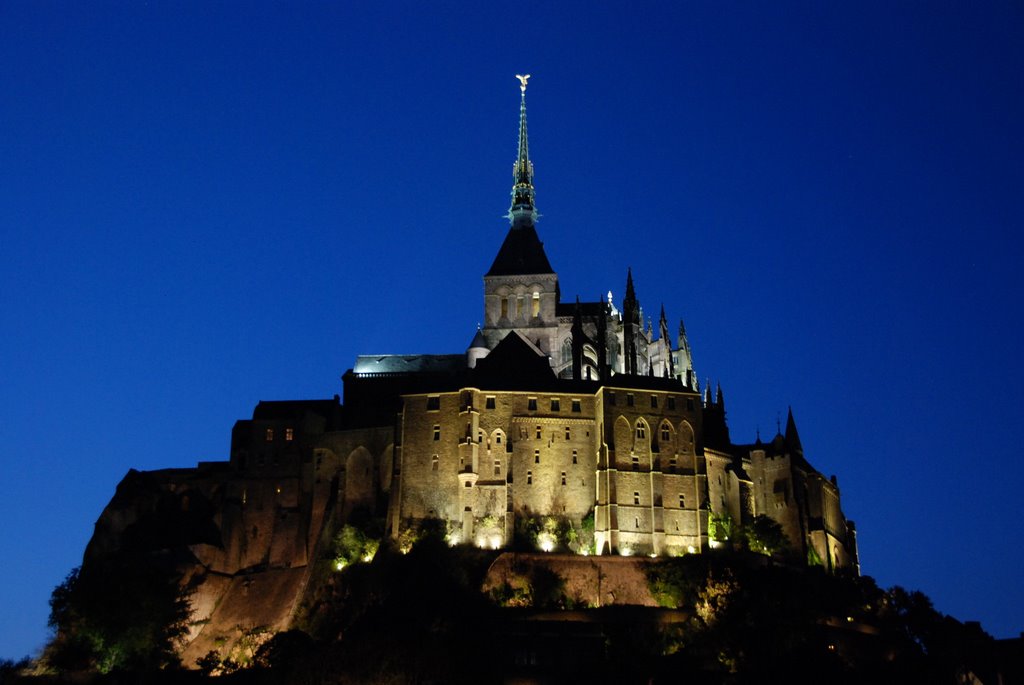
[629, 399]
[437, 432]
[531, 404]
[563, 477]
[568, 433]
[671, 464]
[270, 435]
[672, 403]
[489, 402]
[504, 308]
[433, 403]
[636, 463]
[497, 467]
[636, 498]
[556, 405]
[538, 432]
[289, 434]
[574, 456]
[576, 409]
[529, 477]
[654, 401]
[682, 501]
[536, 456]
[433, 462]
[664, 434]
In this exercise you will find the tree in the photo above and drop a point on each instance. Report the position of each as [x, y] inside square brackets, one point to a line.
[128, 612]
[765, 535]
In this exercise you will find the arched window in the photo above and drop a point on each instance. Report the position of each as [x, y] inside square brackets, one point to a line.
[535, 309]
[641, 429]
[567, 350]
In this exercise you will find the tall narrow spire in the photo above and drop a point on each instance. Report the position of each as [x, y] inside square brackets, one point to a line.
[523, 208]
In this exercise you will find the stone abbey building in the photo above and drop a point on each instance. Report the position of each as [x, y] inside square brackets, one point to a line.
[557, 408]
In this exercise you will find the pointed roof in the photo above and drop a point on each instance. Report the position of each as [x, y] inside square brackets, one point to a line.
[523, 207]
[521, 253]
[792, 437]
[479, 341]
[515, 363]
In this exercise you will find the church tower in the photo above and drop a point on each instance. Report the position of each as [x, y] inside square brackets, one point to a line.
[521, 289]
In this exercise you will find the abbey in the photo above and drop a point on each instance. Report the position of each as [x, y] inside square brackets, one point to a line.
[567, 410]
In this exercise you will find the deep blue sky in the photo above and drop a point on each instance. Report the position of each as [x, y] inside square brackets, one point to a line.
[203, 205]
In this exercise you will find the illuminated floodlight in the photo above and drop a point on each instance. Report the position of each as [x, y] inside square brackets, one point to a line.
[339, 564]
[495, 541]
[626, 552]
[546, 541]
[691, 549]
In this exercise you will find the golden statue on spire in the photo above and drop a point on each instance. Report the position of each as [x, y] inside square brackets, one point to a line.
[522, 82]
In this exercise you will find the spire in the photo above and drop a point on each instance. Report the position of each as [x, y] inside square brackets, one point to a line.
[631, 323]
[792, 437]
[523, 208]
[719, 398]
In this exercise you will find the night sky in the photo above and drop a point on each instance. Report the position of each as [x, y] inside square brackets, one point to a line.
[204, 205]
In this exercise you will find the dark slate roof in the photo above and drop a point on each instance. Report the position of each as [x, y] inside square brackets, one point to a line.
[409, 363]
[478, 340]
[521, 253]
[587, 309]
[295, 409]
[514, 364]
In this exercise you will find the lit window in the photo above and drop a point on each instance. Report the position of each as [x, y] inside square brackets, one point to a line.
[289, 434]
[270, 434]
[536, 456]
[437, 432]
[529, 477]
[576, 407]
[504, 308]
[556, 405]
[531, 404]
[489, 403]
[433, 403]
[536, 305]
[654, 401]
[519, 306]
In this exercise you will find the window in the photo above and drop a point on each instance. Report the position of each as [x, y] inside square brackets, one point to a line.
[437, 432]
[574, 456]
[538, 432]
[637, 523]
[672, 403]
[636, 498]
[497, 439]
[504, 308]
[536, 305]
[641, 429]
[529, 477]
[636, 463]
[671, 464]
[531, 404]
[433, 403]
[629, 399]
[469, 484]
[682, 501]
[568, 433]
[289, 434]
[563, 477]
[433, 462]
[576, 407]
[489, 402]
[536, 456]
[664, 434]
[497, 467]
[654, 401]
[556, 405]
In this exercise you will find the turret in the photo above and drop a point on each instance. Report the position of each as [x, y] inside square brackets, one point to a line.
[477, 349]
